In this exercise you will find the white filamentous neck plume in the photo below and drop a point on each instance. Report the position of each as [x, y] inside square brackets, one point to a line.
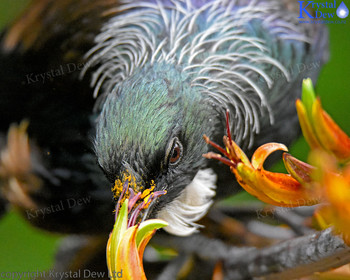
[191, 205]
[211, 41]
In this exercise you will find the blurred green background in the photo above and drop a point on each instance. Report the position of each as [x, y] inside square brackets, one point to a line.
[24, 248]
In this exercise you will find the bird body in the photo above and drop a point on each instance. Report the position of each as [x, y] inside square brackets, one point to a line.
[158, 75]
[170, 70]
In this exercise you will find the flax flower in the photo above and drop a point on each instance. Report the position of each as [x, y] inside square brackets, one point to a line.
[335, 180]
[319, 129]
[327, 181]
[128, 240]
[330, 153]
[279, 189]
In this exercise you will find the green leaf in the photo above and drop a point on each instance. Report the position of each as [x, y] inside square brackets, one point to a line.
[148, 226]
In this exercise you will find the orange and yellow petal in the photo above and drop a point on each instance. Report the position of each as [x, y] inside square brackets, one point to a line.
[261, 153]
[337, 191]
[330, 135]
[319, 129]
[306, 126]
[128, 258]
[279, 188]
[126, 246]
[299, 170]
[273, 188]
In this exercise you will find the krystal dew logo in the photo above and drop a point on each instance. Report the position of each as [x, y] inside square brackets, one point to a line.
[324, 10]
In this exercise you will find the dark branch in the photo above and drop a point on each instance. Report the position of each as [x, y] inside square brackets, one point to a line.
[289, 259]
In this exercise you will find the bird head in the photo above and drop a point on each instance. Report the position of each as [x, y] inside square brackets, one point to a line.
[151, 127]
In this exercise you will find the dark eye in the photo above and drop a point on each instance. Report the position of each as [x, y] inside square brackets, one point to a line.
[176, 153]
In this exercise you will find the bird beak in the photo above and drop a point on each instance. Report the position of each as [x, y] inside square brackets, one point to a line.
[141, 199]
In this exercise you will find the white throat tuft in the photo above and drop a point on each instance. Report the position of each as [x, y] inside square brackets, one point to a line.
[191, 205]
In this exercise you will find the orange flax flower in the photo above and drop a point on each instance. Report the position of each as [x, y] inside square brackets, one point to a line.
[328, 182]
[278, 189]
[331, 154]
[337, 192]
[335, 181]
[319, 129]
[128, 240]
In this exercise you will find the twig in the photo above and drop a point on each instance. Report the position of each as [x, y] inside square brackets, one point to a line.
[269, 231]
[293, 220]
[173, 268]
[289, 259]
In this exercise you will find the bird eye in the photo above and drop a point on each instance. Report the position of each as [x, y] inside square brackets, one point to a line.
[176, 153]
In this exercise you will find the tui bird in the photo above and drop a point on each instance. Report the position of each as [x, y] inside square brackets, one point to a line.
[110, 87]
